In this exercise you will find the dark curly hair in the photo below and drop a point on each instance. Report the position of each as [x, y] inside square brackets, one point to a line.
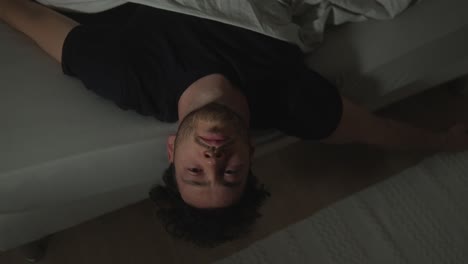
[207, 227]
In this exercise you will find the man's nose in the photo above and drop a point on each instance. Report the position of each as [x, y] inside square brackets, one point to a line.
[213, 154]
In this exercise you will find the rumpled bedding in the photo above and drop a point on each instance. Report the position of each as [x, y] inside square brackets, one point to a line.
[302, 22]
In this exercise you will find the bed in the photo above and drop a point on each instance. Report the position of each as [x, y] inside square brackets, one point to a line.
[417, 216]
[68, 156]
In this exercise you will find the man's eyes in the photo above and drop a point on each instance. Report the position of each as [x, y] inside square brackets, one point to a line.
[230, 172]
[197, 170]
[194, 170]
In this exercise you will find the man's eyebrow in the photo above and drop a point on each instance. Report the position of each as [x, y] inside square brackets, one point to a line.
[203, 184]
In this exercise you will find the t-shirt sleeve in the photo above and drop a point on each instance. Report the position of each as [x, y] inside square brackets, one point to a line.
[94, 54]
[313, 106]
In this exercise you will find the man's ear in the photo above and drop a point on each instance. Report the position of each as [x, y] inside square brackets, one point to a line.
[170, 148]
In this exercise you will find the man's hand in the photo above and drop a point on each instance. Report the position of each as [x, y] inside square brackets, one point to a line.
[456, 138]
[43, 25]
[358, 125]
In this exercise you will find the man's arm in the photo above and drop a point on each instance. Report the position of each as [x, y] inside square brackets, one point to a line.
[43, 25]
[358, 125]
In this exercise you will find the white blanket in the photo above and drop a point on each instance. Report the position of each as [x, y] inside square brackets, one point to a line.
[299, 21]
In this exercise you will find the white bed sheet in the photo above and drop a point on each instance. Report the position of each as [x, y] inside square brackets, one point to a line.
[67, 155]
[417, 216]
[302, 22]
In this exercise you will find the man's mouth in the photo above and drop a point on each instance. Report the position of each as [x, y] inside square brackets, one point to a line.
[214, 140]
[214, 136]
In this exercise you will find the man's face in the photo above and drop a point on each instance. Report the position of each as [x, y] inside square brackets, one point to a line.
[211, 154]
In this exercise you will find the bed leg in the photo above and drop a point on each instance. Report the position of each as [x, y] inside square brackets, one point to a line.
[34, 251]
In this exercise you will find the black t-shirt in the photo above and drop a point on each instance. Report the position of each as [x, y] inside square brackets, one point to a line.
[145, 60]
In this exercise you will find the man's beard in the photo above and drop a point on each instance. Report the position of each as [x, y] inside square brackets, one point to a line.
[220, 115]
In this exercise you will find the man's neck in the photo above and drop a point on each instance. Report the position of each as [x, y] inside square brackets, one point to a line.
[214, 88]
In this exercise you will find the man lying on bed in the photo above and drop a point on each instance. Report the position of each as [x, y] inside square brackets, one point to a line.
[218, 81]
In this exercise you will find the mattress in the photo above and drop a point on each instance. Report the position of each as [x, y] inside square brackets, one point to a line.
[418, 216]
[67, 155]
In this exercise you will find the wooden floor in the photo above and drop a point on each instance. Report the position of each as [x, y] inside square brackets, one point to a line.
[303, 178]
